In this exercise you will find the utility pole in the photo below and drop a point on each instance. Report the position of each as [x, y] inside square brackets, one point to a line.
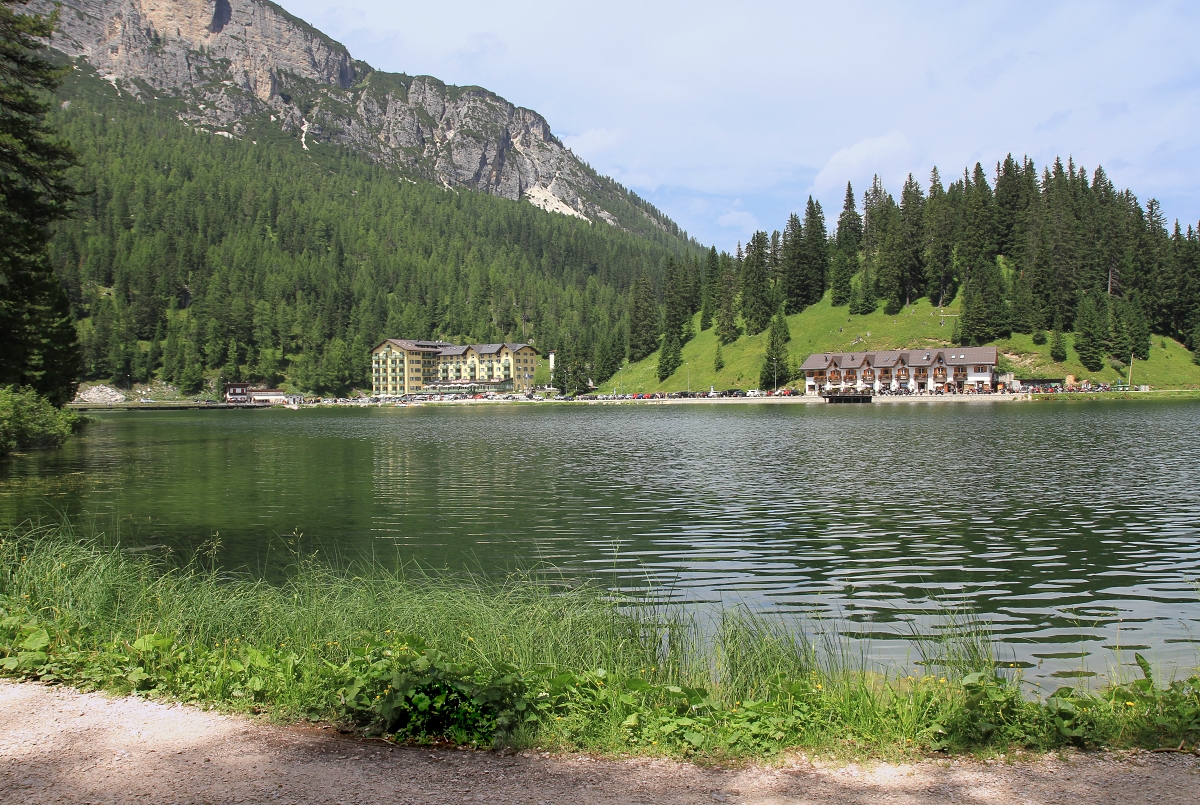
[689, 368]
[1131, 371]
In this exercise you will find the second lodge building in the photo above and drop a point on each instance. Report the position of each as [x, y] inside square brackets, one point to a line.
[960, 369]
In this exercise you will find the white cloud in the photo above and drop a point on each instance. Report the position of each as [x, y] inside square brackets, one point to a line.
[887, 156]
[596, 141]
[768, 100]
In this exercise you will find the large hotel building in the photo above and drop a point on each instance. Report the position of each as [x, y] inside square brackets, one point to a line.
[400, 367]
[944, 369]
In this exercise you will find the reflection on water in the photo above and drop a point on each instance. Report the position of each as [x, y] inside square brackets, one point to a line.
[1073, 528]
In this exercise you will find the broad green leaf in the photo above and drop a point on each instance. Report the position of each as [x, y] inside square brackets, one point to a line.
[36, 641]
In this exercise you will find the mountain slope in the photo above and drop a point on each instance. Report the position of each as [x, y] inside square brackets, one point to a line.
[237, 65]
[193, 253]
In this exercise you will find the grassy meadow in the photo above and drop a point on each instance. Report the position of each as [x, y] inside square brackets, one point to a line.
[529, 661]
[824, 328]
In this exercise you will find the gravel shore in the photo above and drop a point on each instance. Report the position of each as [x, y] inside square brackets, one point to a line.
[61, 746]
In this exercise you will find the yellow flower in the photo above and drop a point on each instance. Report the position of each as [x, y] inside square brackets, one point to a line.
[1129, 704]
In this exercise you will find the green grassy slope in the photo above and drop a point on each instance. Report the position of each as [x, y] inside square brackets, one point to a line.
[822, 328]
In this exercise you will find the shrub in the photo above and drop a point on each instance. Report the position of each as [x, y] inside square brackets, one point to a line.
[29, 420]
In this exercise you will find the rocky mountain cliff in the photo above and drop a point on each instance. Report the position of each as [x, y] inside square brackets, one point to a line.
[234, 66]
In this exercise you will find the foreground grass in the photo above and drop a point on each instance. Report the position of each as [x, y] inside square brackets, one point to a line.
[523, 661]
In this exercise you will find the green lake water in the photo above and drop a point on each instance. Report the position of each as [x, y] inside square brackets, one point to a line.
[1074, 529]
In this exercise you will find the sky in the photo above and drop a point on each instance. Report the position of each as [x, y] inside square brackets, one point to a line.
[728, 116]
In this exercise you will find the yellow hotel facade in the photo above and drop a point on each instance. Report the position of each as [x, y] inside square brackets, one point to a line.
[400, 366]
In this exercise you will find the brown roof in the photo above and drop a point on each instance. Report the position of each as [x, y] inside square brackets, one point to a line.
[953, 356]
[411, 346]
[818, 360]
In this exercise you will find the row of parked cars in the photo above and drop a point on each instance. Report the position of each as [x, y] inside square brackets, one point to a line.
[687, 395]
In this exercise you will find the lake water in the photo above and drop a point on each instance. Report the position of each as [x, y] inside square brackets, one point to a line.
[1072, 528]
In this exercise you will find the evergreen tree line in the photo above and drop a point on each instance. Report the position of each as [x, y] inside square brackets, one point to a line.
[38, 347]
[1028, 252]
[192, 254]
[1038, 252]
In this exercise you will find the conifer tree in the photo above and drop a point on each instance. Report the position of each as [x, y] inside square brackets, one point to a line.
[671, 356]
[718, 359]
[845, 252]
[1058, 346]
[1089, 335]
[38, 343]
[643, 320]
[841, 275]
[712, 289]
[941, 215]
[776, 368]
[191, 376]
[814, 254]
[675, 314]
[609, 351]
[792, 273]
[756, 293]
[864, 300]
[726, 319]
[232, 370]
[1139, 331]
[1120, 345]
[1021, 303]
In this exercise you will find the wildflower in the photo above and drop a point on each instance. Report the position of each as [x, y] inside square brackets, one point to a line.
[943, 679]
[1129, 704]
[818, 686]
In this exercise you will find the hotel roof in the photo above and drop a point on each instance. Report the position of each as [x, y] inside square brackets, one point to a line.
[953, 356]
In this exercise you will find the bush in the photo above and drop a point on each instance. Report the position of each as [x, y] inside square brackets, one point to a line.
[29, 420]
[1039, 336]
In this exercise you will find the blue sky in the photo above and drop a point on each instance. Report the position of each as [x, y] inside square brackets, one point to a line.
[727, 116]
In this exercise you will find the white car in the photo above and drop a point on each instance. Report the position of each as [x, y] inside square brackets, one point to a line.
[755, 393]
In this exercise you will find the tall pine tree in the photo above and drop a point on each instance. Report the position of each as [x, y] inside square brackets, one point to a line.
[756, 292]
[38, 344]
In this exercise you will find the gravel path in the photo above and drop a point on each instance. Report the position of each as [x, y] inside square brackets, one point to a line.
[61, 746]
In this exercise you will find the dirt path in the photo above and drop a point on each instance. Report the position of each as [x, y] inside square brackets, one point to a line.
[60, 746]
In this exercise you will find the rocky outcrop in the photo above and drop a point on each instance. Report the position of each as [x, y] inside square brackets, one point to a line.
[236, 61]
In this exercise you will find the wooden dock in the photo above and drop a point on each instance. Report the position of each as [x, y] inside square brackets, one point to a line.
[848, 396]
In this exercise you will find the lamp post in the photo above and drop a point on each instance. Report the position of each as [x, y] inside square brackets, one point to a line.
[689, 373]
[775, 367]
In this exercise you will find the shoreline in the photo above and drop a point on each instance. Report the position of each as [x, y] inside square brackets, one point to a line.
[913, 399]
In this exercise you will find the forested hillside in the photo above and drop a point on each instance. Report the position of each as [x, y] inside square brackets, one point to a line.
[193, 252]
[1037, 252]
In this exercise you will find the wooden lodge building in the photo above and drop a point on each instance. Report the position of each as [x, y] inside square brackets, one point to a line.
[400, 366]
[948, 369]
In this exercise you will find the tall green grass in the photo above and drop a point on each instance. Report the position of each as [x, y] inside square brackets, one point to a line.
[524, 660]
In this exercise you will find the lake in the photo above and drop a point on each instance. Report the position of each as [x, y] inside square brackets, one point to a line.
[1071, 527]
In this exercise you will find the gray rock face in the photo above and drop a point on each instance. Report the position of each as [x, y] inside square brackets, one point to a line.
[233, 60]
